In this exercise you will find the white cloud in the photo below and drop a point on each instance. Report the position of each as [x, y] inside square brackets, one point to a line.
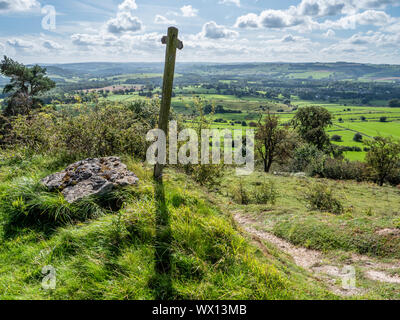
[394, 28]
[101, 39]
[52, 45]
[143, 45]
[124, 22]
[271, 19]
[307, 15]
[376, 39]
[20, 44]
[235, 2]
[189, 11]
[163, 20]
[321, 8]
[127, 5]
[329, 34]
[288, 38]
[279, 19]
[212, 30]
[379, 4]
[250, 20]
[80, 39]
[369, 17]
[18, 5]
[337, 49]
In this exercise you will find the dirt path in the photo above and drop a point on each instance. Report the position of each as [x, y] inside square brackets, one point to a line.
[315, 262]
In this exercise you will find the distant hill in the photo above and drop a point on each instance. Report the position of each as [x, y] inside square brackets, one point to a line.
[316, 71]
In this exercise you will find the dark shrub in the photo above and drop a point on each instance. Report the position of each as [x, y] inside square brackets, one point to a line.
[240, 194]
[344, 170]
[394, 177]
[358, 137]
[305, 157]
[265, 193]
[320, 197]
[336, 138]
[395, 103]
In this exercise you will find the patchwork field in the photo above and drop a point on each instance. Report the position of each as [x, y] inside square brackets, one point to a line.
[348, 119]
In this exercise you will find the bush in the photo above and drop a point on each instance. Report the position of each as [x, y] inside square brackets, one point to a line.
[240, 194]
[261, 193]
[265, 193]
[394, 177]
[344, 170]
[395, 103]
[336, 138]
[82, 131]
[307, 158]
[347, 148]
[208, 175]
[358, 137]
[320, 197]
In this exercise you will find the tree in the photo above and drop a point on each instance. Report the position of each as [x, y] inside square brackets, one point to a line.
[395, 103]
[383, 119]
[358, 137]
[311, 123]
[336, 138]
[270, 141]
[25, 85]
[207, 109]
[383, 157]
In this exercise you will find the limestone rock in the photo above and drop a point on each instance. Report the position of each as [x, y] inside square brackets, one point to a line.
[93, 176]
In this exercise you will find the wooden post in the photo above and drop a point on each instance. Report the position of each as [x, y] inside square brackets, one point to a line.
[172, 43]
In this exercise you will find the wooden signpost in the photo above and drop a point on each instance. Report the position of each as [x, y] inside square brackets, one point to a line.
[172, 43]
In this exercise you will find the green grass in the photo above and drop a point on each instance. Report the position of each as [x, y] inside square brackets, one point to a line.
[373, 129]
[317, 75]
[165, 242]
[367, 209]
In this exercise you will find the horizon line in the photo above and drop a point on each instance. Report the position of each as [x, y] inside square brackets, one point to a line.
[221, 63]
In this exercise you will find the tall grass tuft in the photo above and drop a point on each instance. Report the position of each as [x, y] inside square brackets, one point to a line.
[25, 202]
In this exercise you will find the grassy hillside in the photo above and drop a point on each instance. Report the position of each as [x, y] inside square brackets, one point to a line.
[146, 242]
[366, 235]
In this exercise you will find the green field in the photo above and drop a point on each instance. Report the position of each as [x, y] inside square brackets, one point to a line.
[347, 118]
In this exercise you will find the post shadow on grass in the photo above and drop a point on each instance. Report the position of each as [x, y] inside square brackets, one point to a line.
[162, 283]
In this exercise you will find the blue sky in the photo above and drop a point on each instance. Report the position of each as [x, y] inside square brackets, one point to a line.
[57, 31]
